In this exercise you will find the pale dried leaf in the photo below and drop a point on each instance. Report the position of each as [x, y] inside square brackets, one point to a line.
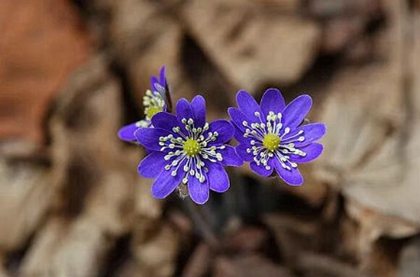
[251, 46]
[409, 264]
[94, 185]
[372, 149]
[67, 249]
[25, 196]
[157, 253]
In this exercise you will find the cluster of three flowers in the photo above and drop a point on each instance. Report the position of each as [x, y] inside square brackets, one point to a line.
[184, 149]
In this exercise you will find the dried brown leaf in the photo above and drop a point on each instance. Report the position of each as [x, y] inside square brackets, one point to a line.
[42, 42]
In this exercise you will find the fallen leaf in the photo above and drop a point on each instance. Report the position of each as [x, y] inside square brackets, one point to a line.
[42, 41]
[250, 45]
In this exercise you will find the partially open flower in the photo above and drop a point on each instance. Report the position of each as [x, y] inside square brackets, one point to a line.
[155, 100]
[271, 135]
[185, 149]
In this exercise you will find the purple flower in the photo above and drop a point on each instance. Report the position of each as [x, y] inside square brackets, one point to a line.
[185, 149]
[271, 135]
[154, 101]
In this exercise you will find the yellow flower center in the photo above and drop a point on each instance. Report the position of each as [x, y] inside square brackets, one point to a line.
[151, 111]
[271, 142]
[192, 147]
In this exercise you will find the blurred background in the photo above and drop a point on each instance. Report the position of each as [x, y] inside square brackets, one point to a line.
[72, 72]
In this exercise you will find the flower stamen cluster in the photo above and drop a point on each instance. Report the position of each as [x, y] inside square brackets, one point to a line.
[153, 103]
[268, 141]
[192, 147]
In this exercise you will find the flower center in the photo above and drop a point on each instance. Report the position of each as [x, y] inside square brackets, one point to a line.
[192, 147]
[271, 142]
[151, 111]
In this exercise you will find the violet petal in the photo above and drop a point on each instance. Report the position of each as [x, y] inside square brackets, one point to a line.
[165, 183]
[224, 128]
[218, 178]
[248, 106]
[241, 149]
[238, 118]
[313, 151]
[295, 112]
[311, 132]
[183, 109]
[198, 105]
[291, 177]
[230, 157]
[199, 192]
[272, 101]
[127, 132]
[165, 121]
[149, 137]
[162, 76]
[260, 169]
[152, 164]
